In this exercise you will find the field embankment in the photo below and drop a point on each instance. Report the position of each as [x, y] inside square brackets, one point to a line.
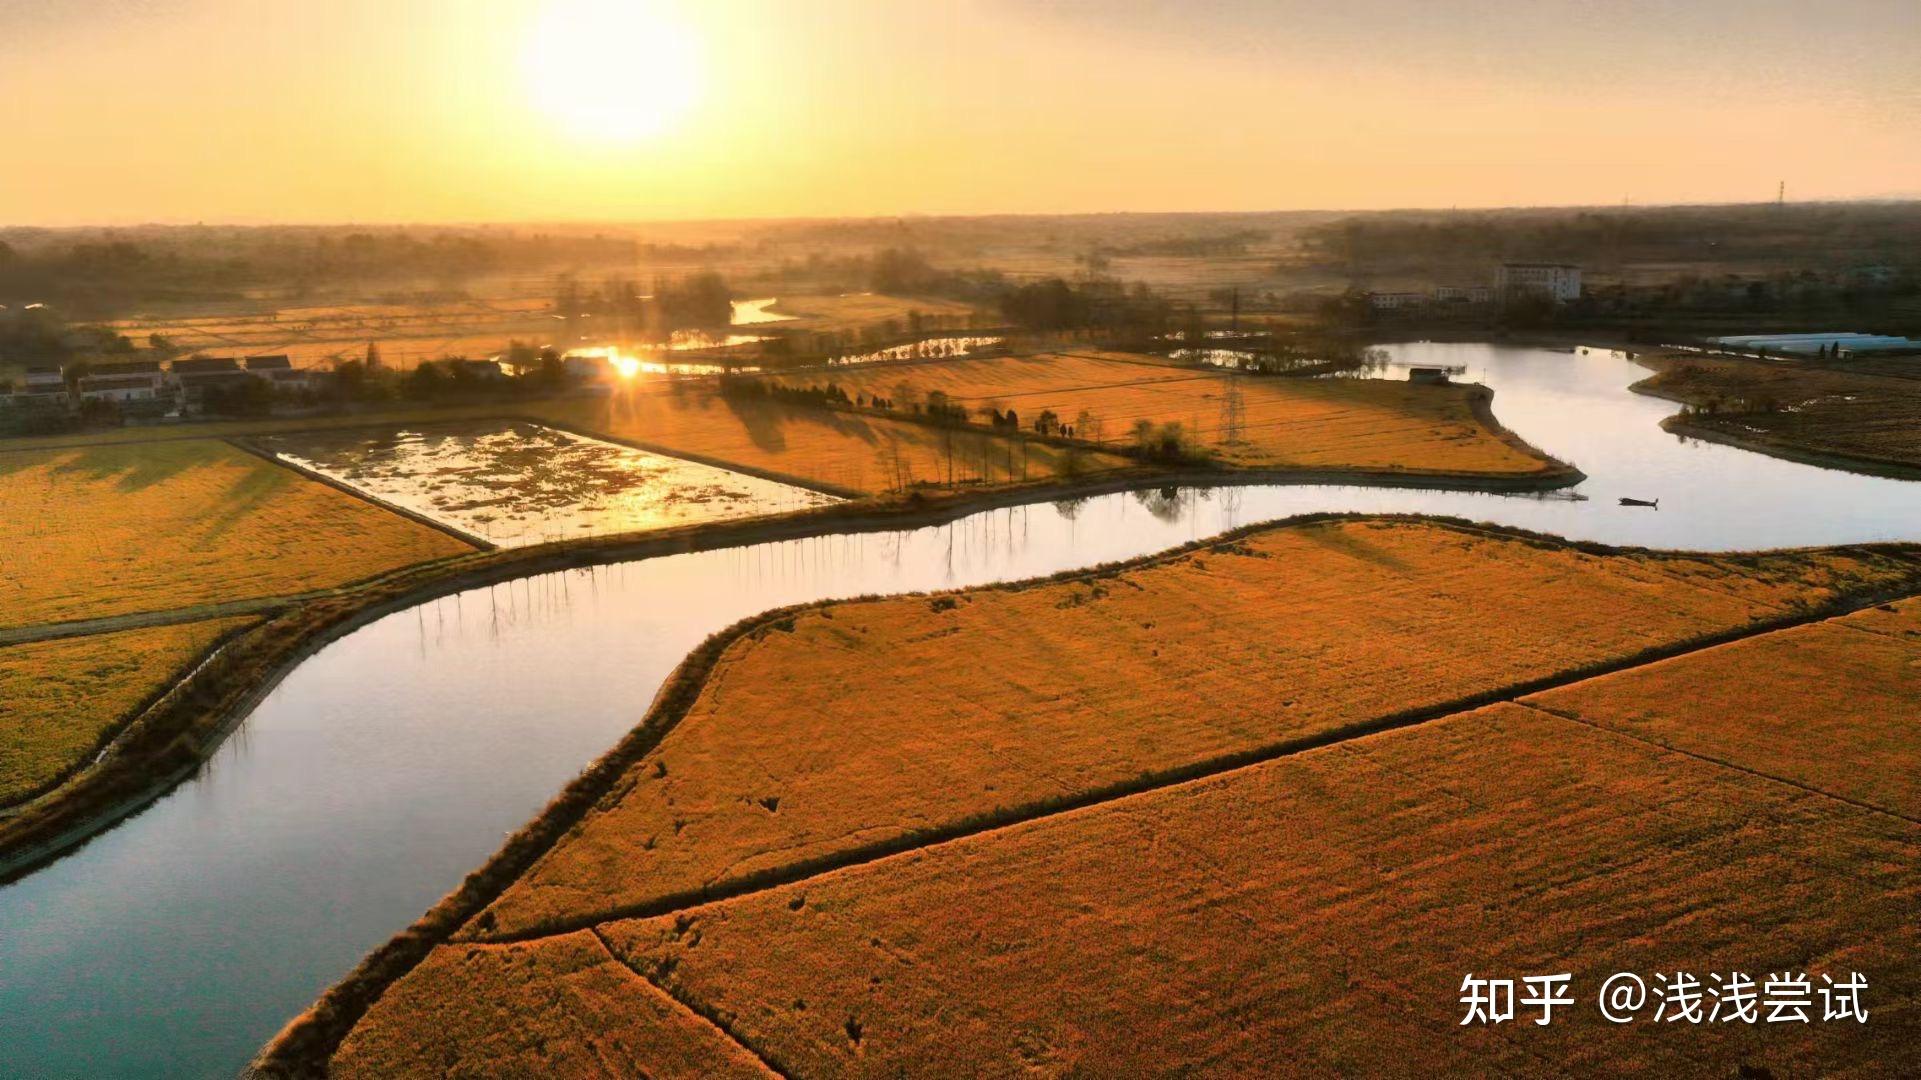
[756, 769]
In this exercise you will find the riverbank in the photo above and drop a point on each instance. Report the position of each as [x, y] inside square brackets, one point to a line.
[307, 1043]
[1824, 416]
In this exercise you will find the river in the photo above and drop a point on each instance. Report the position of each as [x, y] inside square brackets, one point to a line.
[396, 759]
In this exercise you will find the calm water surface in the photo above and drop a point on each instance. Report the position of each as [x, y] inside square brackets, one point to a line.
[396, 759]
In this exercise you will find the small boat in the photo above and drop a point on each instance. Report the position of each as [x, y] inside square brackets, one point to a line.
[1625, 501]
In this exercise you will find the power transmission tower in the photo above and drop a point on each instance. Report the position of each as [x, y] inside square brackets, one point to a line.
[1233, 411]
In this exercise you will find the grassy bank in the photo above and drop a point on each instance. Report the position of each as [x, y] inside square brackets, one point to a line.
[1818, 415]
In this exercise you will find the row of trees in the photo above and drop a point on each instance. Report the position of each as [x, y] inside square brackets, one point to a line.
[697, 301]
[1168, 441]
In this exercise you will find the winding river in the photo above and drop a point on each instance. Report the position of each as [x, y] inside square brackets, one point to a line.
[397, 758]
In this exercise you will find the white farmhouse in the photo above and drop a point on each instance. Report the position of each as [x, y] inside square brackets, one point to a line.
[139, 380]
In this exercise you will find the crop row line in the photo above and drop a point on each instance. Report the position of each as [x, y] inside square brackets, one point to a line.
[697, 1008]
[1722, 762]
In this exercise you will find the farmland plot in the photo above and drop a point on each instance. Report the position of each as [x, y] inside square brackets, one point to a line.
[107, 530]
[1283, 422]
[860, 724]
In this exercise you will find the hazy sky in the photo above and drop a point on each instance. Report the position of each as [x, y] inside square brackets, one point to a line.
[409, 110]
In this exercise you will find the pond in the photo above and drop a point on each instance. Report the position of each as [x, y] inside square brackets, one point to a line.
[512, 483]
[395, 760]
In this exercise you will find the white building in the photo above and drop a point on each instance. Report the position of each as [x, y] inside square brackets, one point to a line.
[1559, 282]
[1384, 301]
[279, 371]
[1463, 294]
[39, 388]
[140, 380]
[44, 380]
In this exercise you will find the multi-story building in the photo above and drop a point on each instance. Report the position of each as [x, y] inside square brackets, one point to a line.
[1559, 282]
[1384, 301]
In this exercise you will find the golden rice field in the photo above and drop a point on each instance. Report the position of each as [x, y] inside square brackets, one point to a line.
[1835, 705]
[574, 1011]
[408, 334]
[843, 451]
[868, 723]
[1316, 916]
[1286, 422]
[94, 531]
[61, 700]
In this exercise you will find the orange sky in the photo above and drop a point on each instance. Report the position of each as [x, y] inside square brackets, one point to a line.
[462, 110]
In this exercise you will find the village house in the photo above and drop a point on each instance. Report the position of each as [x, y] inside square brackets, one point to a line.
[279, 370]
[122, 383]
[587, 369]
[200, 374]
[41, 387]
[484, 370]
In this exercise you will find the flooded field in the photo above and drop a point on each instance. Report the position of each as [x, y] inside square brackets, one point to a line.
[513, 483]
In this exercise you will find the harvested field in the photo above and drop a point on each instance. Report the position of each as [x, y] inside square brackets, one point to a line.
[407, 334]
[869, 723]
[1835, 705]
[61, 700]
[108, 530]
[1791, 407]
[1317, 915]
[573, 1010]
[843, 451]
[1300, 423]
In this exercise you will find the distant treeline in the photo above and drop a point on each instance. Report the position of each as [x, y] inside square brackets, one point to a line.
[1233, 243]
[1837, 234]
[97, 272]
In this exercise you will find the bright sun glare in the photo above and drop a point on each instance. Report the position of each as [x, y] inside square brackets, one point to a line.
[612, 70]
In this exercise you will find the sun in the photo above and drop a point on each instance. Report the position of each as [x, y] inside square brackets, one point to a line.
[614, 71]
